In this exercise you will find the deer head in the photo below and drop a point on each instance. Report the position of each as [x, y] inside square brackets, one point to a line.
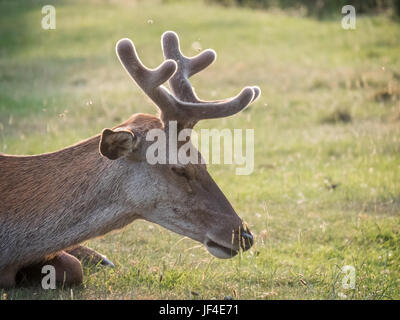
[180, 197]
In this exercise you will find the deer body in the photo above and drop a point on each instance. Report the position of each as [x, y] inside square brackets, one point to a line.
[55, 201]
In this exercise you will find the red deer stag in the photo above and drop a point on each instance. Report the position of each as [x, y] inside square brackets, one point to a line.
[51, 203]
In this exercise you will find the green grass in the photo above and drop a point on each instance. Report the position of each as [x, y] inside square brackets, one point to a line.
[63, 85]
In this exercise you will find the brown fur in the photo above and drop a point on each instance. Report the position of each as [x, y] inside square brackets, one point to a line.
[142, 123]
[49, 193]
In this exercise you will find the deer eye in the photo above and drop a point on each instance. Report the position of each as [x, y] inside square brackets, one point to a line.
[180, 171]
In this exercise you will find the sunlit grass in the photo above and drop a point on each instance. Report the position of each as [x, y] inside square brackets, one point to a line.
[324, 192]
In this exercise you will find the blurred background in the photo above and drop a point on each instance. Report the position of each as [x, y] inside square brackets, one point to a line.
[325, 189]
[319, 8]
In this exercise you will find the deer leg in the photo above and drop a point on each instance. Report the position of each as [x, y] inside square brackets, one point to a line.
[68, 270]
[89, 256]
[68, 261]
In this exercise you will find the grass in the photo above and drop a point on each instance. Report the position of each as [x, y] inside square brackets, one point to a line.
[325, 193]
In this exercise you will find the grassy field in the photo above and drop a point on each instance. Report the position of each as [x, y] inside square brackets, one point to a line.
[325, 191]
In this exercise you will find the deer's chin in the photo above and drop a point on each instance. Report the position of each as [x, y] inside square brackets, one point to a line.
[220, 251]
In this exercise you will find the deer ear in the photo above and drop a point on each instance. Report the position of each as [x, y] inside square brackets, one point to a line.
[117, 143]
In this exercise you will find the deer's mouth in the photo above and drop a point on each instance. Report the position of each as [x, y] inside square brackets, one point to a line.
[220, 251]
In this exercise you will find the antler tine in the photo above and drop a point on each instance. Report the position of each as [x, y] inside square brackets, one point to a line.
[188, 103]
[257, 92]
[149, 80]
[185, 107]
[218, 109]
[187, 67]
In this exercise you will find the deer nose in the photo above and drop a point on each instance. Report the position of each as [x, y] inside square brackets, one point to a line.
[247, 240]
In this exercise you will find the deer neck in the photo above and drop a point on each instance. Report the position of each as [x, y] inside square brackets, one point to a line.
[61, 198]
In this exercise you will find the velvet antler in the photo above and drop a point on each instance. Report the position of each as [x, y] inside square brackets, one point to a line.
[183, 105]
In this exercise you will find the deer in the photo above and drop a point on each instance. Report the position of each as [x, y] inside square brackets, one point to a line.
[51, 203]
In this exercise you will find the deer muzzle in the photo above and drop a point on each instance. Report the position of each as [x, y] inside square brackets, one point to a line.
[242, 240]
